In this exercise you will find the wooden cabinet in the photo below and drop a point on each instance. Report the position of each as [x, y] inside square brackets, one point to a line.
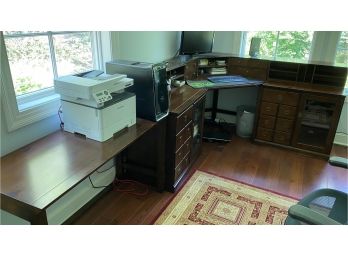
[296, 117]
[190, 70]
[317, 120]
[184, 133]
[276, 119]
[250, 68]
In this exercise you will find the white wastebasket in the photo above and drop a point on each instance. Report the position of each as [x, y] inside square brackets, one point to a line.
[245, 120]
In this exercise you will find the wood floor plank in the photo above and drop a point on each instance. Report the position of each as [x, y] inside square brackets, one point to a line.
[287, 172]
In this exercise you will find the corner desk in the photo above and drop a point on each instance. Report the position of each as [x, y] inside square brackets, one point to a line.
[298, 106]
[37, 175]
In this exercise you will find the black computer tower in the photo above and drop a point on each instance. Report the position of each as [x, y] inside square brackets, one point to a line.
[150, 86]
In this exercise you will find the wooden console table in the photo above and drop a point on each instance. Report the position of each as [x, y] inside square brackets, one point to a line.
[37, 175]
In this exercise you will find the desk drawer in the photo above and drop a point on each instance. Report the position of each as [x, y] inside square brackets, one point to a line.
[183, 119]
[185, 134]
[267, 121]
[287, 111]
[279, 96]
[183, 151]
[281, 138]
[284, 125]
[181, 167]
[269, 108]
[264, 134]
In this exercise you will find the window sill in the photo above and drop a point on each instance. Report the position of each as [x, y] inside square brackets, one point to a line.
[22, 107]
[23, 114]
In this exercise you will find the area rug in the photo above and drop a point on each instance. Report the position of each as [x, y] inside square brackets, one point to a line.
[212, 200]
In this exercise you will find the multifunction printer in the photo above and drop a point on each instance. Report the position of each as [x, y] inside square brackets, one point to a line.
[96, 104]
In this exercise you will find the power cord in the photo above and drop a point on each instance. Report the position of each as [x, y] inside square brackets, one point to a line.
[130, 187]
[124, 185]
[90, 180]
[60, 118]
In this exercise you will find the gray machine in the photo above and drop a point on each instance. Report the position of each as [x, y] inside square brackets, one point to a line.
[150, 86]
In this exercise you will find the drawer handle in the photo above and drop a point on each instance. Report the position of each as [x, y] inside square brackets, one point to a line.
[268, 109]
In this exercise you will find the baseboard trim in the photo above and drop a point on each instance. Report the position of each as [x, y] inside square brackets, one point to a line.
[341, 139]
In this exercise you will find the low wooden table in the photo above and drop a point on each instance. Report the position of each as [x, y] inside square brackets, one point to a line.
[37, 175]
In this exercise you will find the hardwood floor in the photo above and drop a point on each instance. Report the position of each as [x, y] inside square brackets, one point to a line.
[287, 172]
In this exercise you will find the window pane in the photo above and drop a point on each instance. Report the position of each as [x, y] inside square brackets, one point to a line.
[267, 45]
[73, 53]
[291, 45]
[30, 63]
[294, 45]
[342, 50]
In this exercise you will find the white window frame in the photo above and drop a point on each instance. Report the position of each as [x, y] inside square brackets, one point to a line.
[23, 110]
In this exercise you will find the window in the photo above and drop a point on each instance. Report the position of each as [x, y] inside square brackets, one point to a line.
[36, 58]
[342, 50]
[292, 46]
[341, 58]
[30, 60]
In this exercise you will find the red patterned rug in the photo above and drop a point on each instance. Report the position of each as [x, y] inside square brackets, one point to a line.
[209, 199]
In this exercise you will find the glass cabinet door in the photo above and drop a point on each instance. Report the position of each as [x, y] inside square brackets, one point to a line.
[198, 118]
[316, 123]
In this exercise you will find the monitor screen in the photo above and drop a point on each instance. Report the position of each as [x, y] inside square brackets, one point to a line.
[196, 42]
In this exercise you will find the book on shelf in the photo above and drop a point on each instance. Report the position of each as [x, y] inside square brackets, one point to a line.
[216, 71]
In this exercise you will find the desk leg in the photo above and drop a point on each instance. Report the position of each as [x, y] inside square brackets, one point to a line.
[118, 165]
[215, 105]
[160, 163]
[40, 219]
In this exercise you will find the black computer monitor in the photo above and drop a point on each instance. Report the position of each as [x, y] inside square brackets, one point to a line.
[196, 42]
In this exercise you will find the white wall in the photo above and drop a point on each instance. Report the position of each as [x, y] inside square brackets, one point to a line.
[11, 141]
[227, 42]
[229, 99]
[145, 46]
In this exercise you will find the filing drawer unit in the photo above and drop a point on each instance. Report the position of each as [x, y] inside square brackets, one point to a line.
[250, 68]
[184, 133]
[277, 114]
[295, 117]
[178, 156]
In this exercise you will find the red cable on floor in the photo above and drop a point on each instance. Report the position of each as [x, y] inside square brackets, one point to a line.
[132, 189]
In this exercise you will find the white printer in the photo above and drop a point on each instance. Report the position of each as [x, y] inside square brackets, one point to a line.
[95, 104]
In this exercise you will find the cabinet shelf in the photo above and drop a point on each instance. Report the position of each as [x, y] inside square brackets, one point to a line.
[315, 125]
[283, 71]
[212, 66]
[177, 76]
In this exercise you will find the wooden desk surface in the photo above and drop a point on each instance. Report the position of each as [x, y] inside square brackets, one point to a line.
[312, 88]
[184, 96]
[37, 175]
